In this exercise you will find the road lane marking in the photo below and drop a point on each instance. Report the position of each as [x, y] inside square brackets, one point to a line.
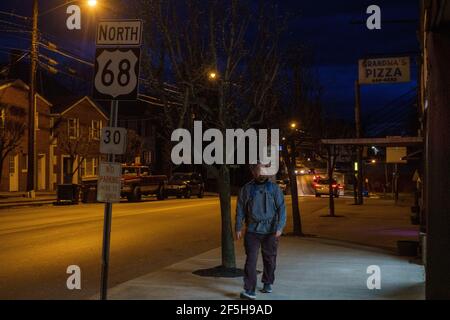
[99, 217]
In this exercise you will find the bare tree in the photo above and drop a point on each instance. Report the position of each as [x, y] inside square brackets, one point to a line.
[12, 130]
[134, 147]
[299, 115]
[78, 146]
[239, 45]
[332, 128]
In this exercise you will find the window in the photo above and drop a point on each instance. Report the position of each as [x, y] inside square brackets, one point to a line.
[89, 167]
[25, 162]
[72, 128]
[96, 127]
[147, 155]
[12, 164]
[83, 168]
[2, 118]
[52, 129]
[95, 166]
[36, 121]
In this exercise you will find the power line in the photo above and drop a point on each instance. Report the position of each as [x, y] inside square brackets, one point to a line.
[14, 24]
[67, 55]
[55, 70]
[15, 15]
[18, 49]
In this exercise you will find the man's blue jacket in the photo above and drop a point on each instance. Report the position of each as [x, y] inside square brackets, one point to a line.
[270, 204]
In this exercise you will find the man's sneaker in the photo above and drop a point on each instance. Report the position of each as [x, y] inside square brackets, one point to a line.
[248, 295]
[267, 288]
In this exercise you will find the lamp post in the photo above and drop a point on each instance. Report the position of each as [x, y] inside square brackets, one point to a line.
[34, 54]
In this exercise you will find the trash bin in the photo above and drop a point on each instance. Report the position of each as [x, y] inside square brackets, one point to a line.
[89, 194]
[415, 219]
[408, 248]
[67, 194]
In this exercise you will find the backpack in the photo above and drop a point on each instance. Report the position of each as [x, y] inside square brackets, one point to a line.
[261, 206]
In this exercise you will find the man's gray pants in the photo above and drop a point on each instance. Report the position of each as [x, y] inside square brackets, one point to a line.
[268, 244]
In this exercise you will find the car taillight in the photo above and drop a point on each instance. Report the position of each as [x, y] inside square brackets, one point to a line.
[334, 186]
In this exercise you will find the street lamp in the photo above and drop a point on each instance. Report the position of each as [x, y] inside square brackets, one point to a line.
[293, 125]
[212, 75]
[90, 3]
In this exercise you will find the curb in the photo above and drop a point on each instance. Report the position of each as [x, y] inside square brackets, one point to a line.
[35, 203]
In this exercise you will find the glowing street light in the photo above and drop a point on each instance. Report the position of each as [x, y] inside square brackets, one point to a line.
[92, 3]
[293, 125]
[212, 75]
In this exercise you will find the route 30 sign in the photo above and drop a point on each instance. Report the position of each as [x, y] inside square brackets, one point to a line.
[116, 73]
[113, 140]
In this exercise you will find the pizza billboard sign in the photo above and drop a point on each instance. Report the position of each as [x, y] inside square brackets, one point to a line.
[384, 70]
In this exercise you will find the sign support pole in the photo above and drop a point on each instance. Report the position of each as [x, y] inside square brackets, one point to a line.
[360, 198]
[111, 64]
[107, 217]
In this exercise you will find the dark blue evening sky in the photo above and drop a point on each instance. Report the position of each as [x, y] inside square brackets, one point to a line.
[324, 26]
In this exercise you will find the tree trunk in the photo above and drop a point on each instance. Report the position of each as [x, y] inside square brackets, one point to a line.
[72, 173]
[166, 164]
[228, 255]
[297, 222]
[290, 163]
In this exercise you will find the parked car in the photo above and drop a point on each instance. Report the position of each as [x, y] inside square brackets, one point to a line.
[322, 187]
[137, 181]
[185, 184]
[283, 185]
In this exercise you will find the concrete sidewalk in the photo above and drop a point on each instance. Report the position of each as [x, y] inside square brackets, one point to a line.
[17, 199]
[308, 268]
[331, 265]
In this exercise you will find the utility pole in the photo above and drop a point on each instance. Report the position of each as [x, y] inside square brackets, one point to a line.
[359, 149]
[31, 173]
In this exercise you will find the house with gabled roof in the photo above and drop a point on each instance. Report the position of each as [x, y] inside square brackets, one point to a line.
[14, 106]
[75, 138]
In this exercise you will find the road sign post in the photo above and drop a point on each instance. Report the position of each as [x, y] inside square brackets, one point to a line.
[116, 79]
[107, 217]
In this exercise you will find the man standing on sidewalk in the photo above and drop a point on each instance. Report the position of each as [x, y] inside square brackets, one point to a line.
[261, 205]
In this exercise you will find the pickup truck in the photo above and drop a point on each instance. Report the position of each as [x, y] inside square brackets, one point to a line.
[136, 182]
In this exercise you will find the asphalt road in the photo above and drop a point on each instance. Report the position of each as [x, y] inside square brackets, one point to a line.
[37, 244]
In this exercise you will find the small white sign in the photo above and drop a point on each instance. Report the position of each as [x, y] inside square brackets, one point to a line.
[384, 70]
[109, 182]
[113, 140]
[119, 33]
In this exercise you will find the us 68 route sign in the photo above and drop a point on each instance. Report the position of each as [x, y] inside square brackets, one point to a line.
[116, 73]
